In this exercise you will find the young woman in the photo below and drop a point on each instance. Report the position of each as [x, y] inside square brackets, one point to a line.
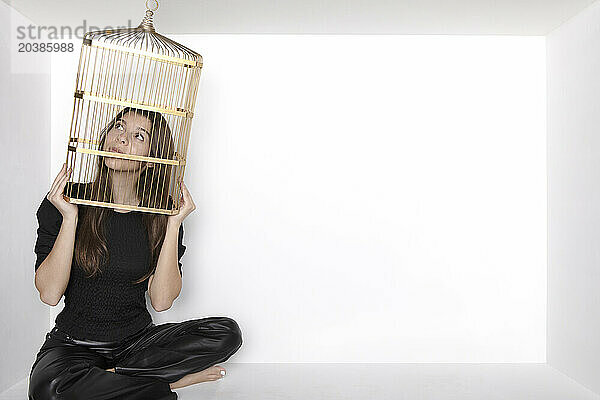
[104, 344]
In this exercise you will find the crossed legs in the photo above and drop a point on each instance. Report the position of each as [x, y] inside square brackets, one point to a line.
[165, 357]
[209, 374]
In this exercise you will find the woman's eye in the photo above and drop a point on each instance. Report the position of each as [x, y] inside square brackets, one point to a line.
[119, 126]
[141, 136]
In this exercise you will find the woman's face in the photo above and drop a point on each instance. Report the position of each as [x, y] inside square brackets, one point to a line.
[129, 135]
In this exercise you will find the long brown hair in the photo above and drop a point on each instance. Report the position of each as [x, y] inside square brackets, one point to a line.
[152, 187]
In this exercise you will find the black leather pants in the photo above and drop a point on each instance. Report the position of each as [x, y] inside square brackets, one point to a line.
[145, 363]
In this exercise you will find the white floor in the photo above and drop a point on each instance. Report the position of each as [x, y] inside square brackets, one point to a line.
[379, 381]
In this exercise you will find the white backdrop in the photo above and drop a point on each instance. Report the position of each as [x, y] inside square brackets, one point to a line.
[363, 198]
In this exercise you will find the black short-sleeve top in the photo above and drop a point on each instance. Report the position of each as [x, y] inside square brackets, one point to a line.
[107, 306]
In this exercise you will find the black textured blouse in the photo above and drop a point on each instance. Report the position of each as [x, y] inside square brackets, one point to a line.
[107, 306]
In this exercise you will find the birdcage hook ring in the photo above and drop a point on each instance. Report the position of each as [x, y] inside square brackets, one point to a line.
[152, 9]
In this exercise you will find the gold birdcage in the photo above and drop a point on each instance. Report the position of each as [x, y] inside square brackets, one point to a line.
[134, 99]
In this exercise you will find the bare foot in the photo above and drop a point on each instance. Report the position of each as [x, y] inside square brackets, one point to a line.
[111, 369]
[209, 374]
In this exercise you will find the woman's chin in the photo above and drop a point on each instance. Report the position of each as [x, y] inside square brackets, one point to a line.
[113, 164]
[119, 165]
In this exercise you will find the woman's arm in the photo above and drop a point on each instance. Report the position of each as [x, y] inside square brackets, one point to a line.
[54, 246]
[165, 284]
[52, 276]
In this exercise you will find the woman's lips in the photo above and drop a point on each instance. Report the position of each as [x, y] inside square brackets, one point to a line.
[114, 150]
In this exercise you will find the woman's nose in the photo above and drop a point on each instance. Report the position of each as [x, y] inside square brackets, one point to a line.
[122, 138]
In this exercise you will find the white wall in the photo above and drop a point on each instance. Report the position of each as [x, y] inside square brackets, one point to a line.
[574, 198]
[24, 140]
[364, 198]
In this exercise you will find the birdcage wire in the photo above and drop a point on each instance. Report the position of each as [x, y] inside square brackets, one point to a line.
[139, 76]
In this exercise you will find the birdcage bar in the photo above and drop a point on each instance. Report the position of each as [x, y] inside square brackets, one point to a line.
[103, 99]
[142, 53]
[126, 156]
[76, 200]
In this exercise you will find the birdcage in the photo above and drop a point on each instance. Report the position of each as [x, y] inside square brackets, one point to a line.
[135, 93]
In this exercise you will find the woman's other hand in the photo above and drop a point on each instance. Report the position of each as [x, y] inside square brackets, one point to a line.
[186, 205]
[55, 196]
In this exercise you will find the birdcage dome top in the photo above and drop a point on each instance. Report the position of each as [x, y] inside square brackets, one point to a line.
[142, 39]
